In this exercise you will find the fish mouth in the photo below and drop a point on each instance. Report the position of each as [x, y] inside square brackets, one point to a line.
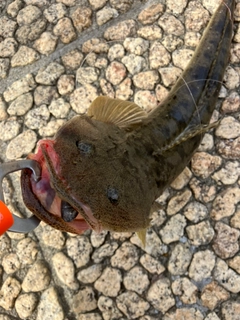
[51, 198]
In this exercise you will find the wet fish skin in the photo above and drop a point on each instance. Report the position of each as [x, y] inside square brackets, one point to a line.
[119, 172]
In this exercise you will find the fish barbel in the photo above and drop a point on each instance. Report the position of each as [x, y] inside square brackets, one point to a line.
[104, 170]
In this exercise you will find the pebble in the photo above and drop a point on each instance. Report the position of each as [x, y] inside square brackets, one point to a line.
[49, 306]
[108, 308]
[24, 56]
[21, 145]
[82, 97]
[235, 220]
[121, 30]
[106, 14]
[234, 263]
[28, 15]
[90, 274]
[228, 128]
[121, 5]
[174, 229]
[229, 149]
[69, 3]
[7, 27]
[133, 63]
[161, 93]
[37, 118]
[204, 164]
[177, 202]
[225, 243]
[231, 103]
[9, 291]
[53, 238]
[158, 56]
[231, 310]
[45, 95]
[8, 47]
[146, 79]
[124, 91]
[131, 305]
[200, 234]
[145, 99]
[37, 278]
[55, 12]
[196, 17]
[72, 60]
[14, 7]
[30, 32]
[185, 313]
[176, 7]
[182, 57]
[21, 105]
[65, 271]
[65, 30]
[66, 84]
[228, 174]
[199, 270]
[224, 203]
[125, 256]
[87, 75]
[9, 129]
[97, 239]
[83, 301]
[180, 259]
[50, 74]
[95, 45]
[90, 316]
[231, 78]
[160, 295]
[115, 72]
[202, 192]
[97, 4]
[212, 295]
[212, 316]
[46, 43]
[192, 39]
[27, 250]
[116, 52]
[151, 265]
[26, 304]
[19, 87]
[81, 18]
[109, 283]
[207, 143]
[10, 263]
[185, 289]
[59, 108]
[150, 14]
[3, 112]
[169, 75]
[226, 277]
[137, 46]
[106, 250]
[136, 280]
[150, 32]
[171, 25]
[4, 67]
[79, 250]
[51, 128]
[195, 211]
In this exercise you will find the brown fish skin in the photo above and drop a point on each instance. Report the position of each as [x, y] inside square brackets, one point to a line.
[112, 175]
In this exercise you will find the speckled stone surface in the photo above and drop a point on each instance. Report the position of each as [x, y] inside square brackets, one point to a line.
[56, 57]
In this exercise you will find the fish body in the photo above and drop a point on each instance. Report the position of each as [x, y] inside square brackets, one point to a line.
[105, 169]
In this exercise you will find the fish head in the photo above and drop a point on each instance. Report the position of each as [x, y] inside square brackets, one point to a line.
[88, 173]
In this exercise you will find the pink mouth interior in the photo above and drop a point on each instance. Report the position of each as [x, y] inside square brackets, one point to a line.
[48, 196]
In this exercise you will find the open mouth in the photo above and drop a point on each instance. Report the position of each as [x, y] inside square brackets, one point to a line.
[50, 198]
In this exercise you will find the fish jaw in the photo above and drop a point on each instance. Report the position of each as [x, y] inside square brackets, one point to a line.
[43, 199]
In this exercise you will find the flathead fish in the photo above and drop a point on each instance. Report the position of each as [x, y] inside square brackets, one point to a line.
[105, 169]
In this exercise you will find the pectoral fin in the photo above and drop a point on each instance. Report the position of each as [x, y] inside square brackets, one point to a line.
[142, 236]
[122, 113]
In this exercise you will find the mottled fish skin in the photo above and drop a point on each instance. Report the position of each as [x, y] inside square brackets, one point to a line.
[118, 173]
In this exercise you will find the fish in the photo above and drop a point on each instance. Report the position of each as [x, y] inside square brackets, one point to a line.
[105, 169]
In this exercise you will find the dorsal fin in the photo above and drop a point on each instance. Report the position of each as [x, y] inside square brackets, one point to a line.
[122, 113]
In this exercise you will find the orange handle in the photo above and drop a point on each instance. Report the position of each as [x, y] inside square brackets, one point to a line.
[6, 218]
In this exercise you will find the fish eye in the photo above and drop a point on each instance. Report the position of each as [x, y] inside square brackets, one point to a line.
[112, 195]
[84, 147]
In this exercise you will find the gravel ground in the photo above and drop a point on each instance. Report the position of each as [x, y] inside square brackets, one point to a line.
[56, 57]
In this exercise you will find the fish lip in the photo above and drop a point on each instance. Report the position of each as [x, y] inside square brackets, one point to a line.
[56, 184]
